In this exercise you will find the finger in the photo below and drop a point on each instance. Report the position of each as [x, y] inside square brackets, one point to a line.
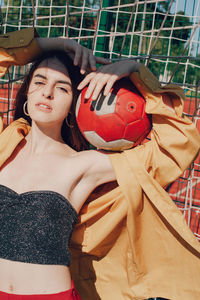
[86, 80]
[84, 61]
[91, 87]
[92, 61]
[103, 61]
[96, 86]
[78, 55]
[97, 78]
[110, 84]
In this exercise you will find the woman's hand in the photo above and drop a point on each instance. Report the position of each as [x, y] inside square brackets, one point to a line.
[81, 56]
[106, 76]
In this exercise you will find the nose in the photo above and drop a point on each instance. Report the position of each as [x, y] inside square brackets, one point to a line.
[48, 91]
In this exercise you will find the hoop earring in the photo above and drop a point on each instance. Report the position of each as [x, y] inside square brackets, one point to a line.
[68, 122]
[24, 109]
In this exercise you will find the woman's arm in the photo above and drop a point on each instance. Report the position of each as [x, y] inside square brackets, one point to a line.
[81, 56]
[24, 46]
[175, 140]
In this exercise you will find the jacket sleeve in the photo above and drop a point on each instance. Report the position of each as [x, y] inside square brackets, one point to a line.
[18, 48]
[175, 140]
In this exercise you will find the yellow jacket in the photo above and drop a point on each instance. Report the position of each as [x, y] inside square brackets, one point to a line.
[131, 241]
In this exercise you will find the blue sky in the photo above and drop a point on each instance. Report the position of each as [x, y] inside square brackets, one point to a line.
[189, 6]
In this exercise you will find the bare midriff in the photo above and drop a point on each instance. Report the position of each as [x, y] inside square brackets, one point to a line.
[26, 278]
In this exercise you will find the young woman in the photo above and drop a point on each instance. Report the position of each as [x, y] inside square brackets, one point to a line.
[45, 181]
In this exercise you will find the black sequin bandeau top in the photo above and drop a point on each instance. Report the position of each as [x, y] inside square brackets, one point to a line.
[35, 227]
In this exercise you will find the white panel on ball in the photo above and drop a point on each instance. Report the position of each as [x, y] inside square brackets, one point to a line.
[117, 145]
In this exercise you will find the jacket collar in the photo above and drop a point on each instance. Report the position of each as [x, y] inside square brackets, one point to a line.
[11, 137]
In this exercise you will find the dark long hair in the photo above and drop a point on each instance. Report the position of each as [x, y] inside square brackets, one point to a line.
[71, 135]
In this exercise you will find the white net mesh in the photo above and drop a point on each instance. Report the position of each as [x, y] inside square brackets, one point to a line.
[165, 35]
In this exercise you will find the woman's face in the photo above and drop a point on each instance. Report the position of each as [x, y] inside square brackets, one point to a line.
[50, 93]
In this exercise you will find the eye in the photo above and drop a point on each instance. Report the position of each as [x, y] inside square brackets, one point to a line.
[63, 89]
[39, 82]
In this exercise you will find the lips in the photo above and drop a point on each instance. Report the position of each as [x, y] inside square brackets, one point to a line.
[44, 107]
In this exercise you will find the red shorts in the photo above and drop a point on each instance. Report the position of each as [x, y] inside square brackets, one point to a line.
[71, 294]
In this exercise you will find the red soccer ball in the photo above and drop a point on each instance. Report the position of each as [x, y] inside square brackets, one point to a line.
[115, 122]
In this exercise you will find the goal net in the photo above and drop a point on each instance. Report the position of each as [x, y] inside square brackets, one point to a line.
[162, 34]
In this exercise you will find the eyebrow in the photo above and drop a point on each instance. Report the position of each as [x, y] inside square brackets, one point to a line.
[58, 81]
